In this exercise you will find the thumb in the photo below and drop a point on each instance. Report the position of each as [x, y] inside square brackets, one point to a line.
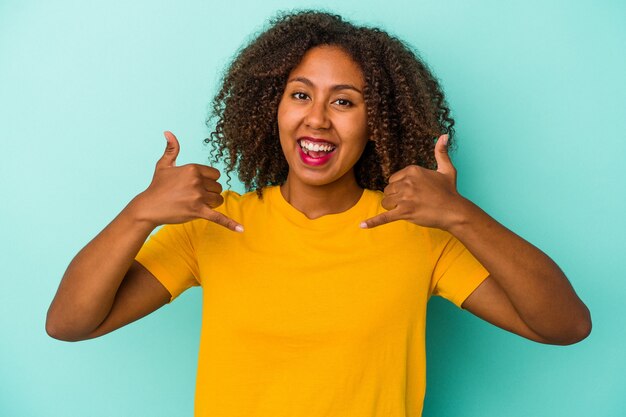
[171, 151]
[444, 164]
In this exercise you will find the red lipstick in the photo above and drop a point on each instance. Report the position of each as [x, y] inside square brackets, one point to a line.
[309, 160]
[318, 160]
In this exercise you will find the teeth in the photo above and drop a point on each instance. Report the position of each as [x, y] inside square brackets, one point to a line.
[315, 147]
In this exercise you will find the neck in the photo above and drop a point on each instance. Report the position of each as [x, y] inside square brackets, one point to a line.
[319, 200]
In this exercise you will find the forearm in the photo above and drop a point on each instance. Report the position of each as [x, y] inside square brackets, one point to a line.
[535, 285]
[90, 283]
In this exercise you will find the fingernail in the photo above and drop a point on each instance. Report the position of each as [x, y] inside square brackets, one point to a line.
[445, 139]
[239, 228]
[363, 225]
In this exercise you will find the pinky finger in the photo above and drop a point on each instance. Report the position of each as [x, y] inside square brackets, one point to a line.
[380, 219]
[222, 220]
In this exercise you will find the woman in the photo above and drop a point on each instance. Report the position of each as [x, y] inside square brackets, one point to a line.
[318, 306]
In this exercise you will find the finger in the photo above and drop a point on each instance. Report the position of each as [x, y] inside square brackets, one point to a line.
[444, 164]
[398, 175]
[391, 189]
[221, 219]
[208, 172]
[200, 171]
[213, 200]
[171, 151]
[380, 219]
[389, 202]
[404, 172]
[212, 186]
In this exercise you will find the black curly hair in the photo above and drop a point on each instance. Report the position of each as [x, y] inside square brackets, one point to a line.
[406, 108]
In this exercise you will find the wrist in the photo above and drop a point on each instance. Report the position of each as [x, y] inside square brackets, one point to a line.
[135, 212]
[463, 212]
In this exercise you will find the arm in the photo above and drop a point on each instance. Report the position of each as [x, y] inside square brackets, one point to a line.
[102, 274]
[526, 292]
[528, 286]
[103, 287]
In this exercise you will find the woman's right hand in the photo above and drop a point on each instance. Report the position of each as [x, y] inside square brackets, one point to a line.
[180, 194]
[104, 287]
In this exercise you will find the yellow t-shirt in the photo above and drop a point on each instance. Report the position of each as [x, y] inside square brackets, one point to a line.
[308, 317]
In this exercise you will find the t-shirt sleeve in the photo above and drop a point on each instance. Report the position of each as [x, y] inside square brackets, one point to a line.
[169, 255]
[456, 273]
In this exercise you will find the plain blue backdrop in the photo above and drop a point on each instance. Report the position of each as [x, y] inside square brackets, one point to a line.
[538, 91]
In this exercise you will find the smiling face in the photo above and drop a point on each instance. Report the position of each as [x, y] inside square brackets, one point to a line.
[322, 119]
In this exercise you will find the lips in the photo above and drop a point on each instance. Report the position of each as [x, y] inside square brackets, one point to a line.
[315, 151]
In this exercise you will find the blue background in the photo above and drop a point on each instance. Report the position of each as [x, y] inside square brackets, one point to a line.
[538, 89]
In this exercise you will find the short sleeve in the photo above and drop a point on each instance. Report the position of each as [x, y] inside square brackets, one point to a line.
[456, 273]
[169, 255]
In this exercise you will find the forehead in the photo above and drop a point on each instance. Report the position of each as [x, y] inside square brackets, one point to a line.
[330, 64]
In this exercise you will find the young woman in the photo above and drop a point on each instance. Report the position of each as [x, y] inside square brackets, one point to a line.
[315, 282]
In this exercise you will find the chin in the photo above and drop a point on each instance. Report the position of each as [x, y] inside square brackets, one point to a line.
[319, 179]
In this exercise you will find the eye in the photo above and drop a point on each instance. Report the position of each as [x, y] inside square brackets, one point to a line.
[343, 102]
[299, 95]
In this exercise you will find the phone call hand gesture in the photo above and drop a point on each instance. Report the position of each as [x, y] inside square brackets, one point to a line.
[422, 196]
[178, 194]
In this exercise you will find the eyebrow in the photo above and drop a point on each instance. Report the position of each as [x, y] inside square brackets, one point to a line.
[333, 88]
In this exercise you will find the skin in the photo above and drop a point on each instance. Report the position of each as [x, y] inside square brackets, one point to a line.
[526, 292]
[104, 288]
[323, 99]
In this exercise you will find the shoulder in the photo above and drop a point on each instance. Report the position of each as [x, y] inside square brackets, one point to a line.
[374, 195]
[372, 199]
[233, 198]
[236, 203]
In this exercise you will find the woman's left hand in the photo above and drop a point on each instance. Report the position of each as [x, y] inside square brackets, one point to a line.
[526, 292]
[422, 196]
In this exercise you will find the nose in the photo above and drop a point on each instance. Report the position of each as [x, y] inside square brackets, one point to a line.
[317, 116]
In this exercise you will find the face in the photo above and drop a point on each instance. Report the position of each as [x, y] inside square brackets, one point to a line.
[322, 118]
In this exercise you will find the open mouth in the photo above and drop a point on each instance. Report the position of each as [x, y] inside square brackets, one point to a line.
[316, 149]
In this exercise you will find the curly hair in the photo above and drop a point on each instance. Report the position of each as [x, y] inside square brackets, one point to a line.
[406, 108]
